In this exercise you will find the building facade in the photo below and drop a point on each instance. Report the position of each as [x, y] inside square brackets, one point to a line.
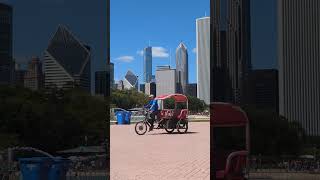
[299, 55]
[231, 51]
[111, 72]
[150, 89]
[264, 89]
[101, 82]
[147, 64]
[33, 79]
[120, 85]
[67, 62]
[166, 80]
[19, 75]
[182, 67]
[130, 81]
[192, 89]
[203, 58]
[6, 59]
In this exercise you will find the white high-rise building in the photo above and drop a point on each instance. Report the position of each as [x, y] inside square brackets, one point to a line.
[203, 58]
[299, 62]
[166, 81]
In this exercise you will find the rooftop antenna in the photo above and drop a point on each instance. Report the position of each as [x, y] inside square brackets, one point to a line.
[205, 14]
[149, 43]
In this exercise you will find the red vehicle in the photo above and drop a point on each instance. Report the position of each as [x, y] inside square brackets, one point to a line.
[230, 138]
[173, 113]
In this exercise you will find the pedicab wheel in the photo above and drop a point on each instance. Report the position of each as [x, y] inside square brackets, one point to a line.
[182, 126]
[167, 127]
[141, 128]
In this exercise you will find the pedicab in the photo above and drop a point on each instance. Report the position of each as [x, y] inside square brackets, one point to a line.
[231, 141]
[173, 113]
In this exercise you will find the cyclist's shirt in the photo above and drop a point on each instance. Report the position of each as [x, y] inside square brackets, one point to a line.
[154, 106]
[149, 104]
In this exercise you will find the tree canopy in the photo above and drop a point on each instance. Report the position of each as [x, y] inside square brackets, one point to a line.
[51, 121]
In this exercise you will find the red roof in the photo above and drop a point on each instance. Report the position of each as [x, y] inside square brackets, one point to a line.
[176, 97]
[225, 114]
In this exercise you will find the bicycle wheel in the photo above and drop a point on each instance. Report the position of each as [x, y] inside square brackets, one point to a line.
[182, 126]
[141, 128]
[168, 127]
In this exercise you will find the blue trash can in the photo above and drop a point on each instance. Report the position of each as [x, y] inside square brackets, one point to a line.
[128, 117]
[58, 169]
[120, 117]
[34, 168]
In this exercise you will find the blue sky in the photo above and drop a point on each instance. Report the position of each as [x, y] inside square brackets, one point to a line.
[167, 22]
[164, 23]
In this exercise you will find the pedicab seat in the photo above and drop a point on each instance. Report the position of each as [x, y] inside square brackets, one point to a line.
[236, 162]
[183, 114]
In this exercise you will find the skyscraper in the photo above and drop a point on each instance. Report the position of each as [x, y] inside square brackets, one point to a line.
[231, 51]
[182, 67]
[264, 89]
[147, 64]
[33, 79]
[101, 82]
[203, 58]
[67, 62]
[111, 71]
[130, 81]
[299, 62]
[6, 60]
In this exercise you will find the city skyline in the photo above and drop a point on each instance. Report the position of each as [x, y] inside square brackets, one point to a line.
[167, 31]
[33, 26]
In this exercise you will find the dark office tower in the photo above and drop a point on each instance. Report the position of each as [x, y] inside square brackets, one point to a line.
[182, 67]
[19, 75]
[6, 61]
[264, 89]
[67, 62]
[299, 62]
[111, 72]
[231, 52]
[101, 82]
[147, 64]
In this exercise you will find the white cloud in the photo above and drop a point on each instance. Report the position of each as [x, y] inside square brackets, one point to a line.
[140, 53]
[125, 58]
[160, 52]
[157, 52]
[194, 50]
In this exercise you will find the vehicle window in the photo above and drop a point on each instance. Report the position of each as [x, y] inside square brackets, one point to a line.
[169, 103]
[181, 105]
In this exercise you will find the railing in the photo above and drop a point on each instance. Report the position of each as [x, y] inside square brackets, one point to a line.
[284, 169]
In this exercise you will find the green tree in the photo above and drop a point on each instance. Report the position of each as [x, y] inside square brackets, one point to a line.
[196, 105]
[272, 134]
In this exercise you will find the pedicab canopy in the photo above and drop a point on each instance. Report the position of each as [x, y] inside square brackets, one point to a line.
[225, 114]
[176, 97]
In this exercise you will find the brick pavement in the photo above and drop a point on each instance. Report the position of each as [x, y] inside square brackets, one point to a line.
[158, 155]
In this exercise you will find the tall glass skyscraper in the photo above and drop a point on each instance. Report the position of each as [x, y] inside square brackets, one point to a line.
[231, 51]
[147, 64]
[6, 60]
[299, 62]
[203, 58]
[182, 67]
[67, 62]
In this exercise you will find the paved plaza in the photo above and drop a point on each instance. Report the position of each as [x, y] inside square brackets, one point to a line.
[158, 155]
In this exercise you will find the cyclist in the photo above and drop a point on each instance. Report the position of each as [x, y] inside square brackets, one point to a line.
[153, 108]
